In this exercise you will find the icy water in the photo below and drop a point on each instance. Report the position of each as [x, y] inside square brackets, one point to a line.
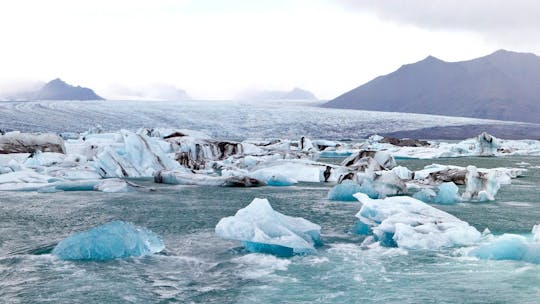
[198, 267]
[222, 119]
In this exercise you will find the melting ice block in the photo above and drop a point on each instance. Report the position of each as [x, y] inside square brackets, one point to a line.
[448, 194]
[109, 241]
[261, 229]
[408, 223]
[480, 186]
[511, 247]
[344, 191]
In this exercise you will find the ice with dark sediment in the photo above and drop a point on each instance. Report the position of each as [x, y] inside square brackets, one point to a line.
[179, 156]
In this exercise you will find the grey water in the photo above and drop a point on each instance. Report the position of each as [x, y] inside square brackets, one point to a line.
[198, 267]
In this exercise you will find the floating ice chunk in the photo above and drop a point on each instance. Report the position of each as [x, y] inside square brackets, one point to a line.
[332, 153]
[116, 185]
[306, 144]
[82, 185]
[536, 233]
[402, 172]
[109, 241]
[45, 159]
[188, 178]
[511, 247]
[480, 187]
[299, 170]
[344, 191]
[448, 194]
[261, 229]
[370, 160]
[140, 156]
[381, 184]
[17, 142]
[24, 176]
[275, 179]
[425, 195]
[408, 223]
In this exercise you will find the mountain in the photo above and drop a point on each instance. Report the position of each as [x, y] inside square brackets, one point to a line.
[57, 89]
[504, 85]
[294, 94]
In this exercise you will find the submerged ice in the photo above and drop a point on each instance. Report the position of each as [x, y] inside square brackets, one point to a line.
[109, 241]
[511, 247]
[262, 229]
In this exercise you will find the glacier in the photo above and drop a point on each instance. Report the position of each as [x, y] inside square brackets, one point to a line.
[262, 229]
[109, 241]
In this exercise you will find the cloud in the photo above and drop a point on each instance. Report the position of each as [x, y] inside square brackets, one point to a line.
[154, 91]
[497, 19]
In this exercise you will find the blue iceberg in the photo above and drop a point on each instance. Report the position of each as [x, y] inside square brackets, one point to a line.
[344, 191]
[511, 247]
[109, 241]
[261, 229]
[448, 194]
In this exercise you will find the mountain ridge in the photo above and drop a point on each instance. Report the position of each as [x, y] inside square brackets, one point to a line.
[503, 85]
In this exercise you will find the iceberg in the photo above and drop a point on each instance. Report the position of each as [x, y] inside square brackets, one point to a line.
[380, 184]
[188, 178]
[274, 179]
[17, 142]
[109, 241]
[261, 229]
[511, 247]
[448, 194]
[425, 195]
[139, 156]
[344, 191]
[480, 186]
[299, 170]
[367, 160]
[408, 223]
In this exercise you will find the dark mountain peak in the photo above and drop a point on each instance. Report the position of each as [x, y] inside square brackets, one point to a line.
[57, 89]
[504, 85]
[503, 54]
[431, 58]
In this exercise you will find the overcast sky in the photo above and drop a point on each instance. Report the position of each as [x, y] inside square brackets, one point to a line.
[216, 49]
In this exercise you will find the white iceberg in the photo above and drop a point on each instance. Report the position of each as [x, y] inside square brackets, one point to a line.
[139, 156]
[480, 186]
[189, 178]
[261, 229]
[408, 223]
[109, 241]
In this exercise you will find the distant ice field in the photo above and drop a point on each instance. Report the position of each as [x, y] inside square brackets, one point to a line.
[222, 119]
